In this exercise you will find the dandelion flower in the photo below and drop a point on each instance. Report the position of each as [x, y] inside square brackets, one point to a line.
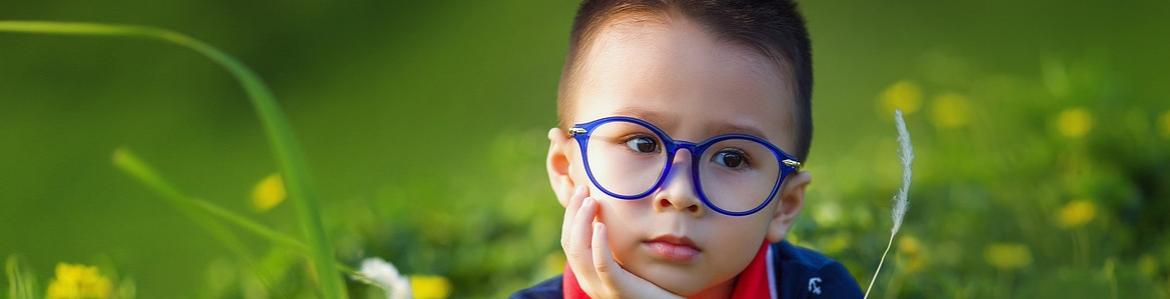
[909, 245]
[1074, 122]
[268, 193]
[949, 110]
[904, 95]
[912, 258]
[1008, 256]
[430, 286]
[78, 281]
[1076, 214]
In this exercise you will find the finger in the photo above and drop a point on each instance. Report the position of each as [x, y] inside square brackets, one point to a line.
[577, 251]
[606, 267]
[571, 209]
[581, 229]
[615, 278]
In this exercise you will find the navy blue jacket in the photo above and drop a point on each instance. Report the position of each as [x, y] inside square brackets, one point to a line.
[802, 273]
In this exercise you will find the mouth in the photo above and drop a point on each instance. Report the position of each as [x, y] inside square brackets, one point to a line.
[672, 248]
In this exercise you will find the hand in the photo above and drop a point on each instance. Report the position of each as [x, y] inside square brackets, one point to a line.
[587, 250]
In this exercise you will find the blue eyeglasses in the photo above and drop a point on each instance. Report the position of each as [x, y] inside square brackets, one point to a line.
[734, 174]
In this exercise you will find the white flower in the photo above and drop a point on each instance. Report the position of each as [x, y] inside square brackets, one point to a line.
[384, 275]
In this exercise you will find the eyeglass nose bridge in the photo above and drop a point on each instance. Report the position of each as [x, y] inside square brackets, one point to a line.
[677, 145]
[673, 147]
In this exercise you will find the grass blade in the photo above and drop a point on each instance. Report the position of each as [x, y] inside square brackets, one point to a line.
[129, 163]
[132, 165]
[22, 283]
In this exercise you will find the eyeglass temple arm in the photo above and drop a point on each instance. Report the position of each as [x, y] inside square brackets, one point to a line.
[792, 163]
[574, 131]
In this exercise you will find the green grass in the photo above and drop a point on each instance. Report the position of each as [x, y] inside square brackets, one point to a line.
[288, 153]
[425, 124]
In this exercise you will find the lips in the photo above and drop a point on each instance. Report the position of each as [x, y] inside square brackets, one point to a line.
[672, 248]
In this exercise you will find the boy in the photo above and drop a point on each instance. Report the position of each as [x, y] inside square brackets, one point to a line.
[683, 125]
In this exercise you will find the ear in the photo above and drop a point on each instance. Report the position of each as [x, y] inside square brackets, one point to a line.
[559, 147]
[791, 201]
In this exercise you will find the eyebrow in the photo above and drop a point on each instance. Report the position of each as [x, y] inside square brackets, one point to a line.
[664, 122]
[733, 128]
[659, 120]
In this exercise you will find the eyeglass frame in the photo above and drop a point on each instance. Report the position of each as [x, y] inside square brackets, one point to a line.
[582, 131]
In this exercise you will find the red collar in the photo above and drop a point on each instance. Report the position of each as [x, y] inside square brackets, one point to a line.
[753, 282]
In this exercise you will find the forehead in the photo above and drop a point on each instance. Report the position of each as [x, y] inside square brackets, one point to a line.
[684, 80]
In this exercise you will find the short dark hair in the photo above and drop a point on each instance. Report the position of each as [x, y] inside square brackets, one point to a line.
[775, 28]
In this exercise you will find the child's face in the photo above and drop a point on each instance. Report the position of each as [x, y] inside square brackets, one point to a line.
[693, 86]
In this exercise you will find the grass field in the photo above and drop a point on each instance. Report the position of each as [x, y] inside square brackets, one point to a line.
[1042, 133]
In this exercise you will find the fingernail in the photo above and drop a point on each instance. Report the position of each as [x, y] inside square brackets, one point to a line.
[597, 226]
[588, 201]
[580, 190]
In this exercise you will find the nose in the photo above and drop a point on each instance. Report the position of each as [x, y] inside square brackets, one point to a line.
[678, 192]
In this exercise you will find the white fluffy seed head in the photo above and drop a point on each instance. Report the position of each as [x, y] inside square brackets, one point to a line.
[906, 155]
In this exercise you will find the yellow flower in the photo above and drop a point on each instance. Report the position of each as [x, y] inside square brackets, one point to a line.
[909, 244]
[904, 94]
[1164, 124]
[950, 110]
[1008, 256]
[78, 281]
[268, 193]
[1076, 214]
[911, 257]
[1074, 122]
[430, 286]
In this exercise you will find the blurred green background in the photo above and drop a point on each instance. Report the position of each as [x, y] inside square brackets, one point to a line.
[1042, 130]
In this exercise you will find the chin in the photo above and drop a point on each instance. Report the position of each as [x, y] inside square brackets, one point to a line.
[681, 281]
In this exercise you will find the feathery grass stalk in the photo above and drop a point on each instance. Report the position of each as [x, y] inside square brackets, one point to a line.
[288, 153]
[900, 202]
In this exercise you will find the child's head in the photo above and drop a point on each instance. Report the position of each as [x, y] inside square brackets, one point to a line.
[695, 70]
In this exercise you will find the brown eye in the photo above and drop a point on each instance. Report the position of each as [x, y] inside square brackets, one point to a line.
[730, 159]
[642, 144]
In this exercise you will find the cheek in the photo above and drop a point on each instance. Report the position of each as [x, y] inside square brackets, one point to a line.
[733, 243]
[622, 218]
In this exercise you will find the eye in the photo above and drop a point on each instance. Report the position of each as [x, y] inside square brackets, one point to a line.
[730, 158]
[642, 144]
